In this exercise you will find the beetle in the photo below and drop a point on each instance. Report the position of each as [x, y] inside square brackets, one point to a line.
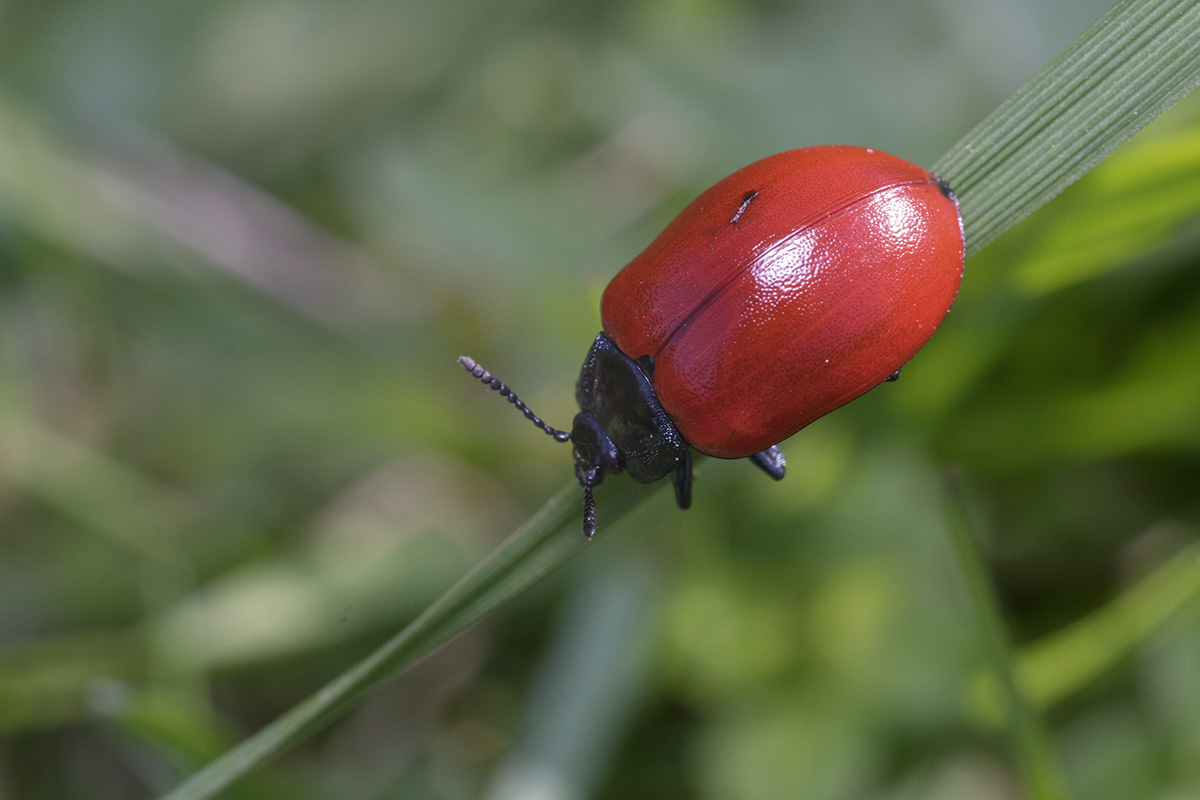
[782, 292]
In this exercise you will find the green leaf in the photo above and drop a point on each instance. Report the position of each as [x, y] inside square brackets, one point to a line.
[1125, 208]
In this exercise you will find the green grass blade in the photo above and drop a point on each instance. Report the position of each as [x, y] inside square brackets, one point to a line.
[1069, 659]
[1112, 81]
[1029, 737]
[547, 540]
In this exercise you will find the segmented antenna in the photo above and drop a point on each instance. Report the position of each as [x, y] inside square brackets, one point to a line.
[495, 385]
[587, 478]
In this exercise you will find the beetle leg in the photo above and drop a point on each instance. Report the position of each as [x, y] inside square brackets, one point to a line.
[895, 376]
[682, 478]
[770, 461]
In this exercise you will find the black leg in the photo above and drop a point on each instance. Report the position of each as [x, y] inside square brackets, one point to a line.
[682, 478]
[770, 461]
[895, 376]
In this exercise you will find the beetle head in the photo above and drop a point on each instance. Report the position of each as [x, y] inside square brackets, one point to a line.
[621, 426]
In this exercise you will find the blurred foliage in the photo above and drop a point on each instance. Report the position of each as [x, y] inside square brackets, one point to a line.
[241, 245]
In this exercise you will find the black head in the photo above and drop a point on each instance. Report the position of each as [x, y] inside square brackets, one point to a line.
[621, 426]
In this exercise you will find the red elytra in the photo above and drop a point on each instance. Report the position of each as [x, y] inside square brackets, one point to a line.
[832, 276]
[787, 289]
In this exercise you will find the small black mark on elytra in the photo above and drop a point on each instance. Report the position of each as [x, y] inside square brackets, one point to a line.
[746, 198]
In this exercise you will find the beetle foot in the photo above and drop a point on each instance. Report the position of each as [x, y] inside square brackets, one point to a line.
[771, 461]
[682, 478]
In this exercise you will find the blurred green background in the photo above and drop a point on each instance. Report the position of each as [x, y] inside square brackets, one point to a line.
[243, 243]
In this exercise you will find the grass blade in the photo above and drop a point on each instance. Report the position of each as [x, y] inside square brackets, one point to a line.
[1121, 73]
[1029, 739]
[547, 540]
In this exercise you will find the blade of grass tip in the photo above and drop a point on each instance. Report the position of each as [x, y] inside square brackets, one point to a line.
[547, 540]
[1029, 739]
[1114, 79]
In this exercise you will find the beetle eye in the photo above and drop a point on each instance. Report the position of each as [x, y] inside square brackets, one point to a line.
[593, 446]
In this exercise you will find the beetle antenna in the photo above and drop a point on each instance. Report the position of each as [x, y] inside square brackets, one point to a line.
[587, 479]
[487, 379]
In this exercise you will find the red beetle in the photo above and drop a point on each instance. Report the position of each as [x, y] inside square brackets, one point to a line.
[788, 289]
